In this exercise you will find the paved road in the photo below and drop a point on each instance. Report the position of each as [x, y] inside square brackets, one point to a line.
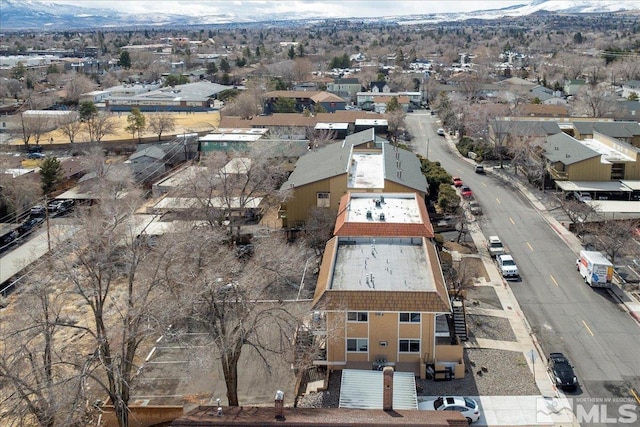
[566, 315]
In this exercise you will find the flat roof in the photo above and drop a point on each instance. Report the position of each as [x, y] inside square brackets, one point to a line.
[233, 137]
[633, 185]
[182, 176]
[396, 208]
[366, 170]
[371, 122]
[616, 206]
[182, 203]
[381, 264]
[594, 185]
[609, 155]
[249, 131]
[328, 126]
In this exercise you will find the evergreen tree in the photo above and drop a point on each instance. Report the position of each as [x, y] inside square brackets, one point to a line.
[292, 52]
[50, 174]
[125, 60]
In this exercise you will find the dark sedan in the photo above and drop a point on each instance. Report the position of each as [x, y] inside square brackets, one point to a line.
[562, 371]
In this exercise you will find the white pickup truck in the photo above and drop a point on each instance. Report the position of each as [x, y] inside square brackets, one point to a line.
[495, 246]
[507, 266]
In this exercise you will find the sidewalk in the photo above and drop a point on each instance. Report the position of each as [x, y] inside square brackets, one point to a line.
[537, 200]
[631, 305]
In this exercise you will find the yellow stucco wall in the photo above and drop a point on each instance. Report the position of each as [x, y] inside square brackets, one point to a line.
[379, 328]
[305, 197]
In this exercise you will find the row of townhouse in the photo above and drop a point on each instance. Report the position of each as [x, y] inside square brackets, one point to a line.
[381, 298]
[596, 156]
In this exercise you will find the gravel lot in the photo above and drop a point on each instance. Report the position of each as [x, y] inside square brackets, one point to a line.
[490, 327]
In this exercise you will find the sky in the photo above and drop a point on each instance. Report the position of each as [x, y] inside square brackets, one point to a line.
[326, 8]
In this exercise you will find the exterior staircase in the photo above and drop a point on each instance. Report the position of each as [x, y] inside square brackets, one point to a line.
[459, 319]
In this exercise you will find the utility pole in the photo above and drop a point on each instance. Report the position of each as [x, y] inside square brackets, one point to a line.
[46, 218]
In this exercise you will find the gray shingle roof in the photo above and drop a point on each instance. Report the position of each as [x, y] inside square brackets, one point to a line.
[612, 129]
[333, 160]
[526, 127]
[567, 150]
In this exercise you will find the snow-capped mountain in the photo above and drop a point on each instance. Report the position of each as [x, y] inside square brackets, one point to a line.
[30, 14]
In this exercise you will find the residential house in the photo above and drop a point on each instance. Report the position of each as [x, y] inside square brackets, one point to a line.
[631, 87]
[147, 164]
[308, 100]
[296, 126]
[379, 87]
[266, 416]
[626, 131]
[377, 101]
[377, 298]
[363, 162]
[572, 86]
[626, 110]
[345, 88]
[504, 131]
[542, 110]
[600, 158]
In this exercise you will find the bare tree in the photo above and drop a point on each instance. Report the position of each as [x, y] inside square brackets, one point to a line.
[580, 214]
[302, 68]
[232, 299]
[34, 124]
[594, 101]
[615, 236]
[99, 126]
[395, 122]
[244, 105]
[115, 278]
[160, 123]
[78, 85]
[318, 229]
[70, 125]
[40, 379]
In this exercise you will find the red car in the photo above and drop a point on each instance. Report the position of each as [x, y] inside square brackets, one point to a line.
[457, 182]
[466, 192]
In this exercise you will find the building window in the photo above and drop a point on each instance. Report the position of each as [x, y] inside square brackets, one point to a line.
[409, 346]
[358, 345]
[357, 316]
[323, 200]
[410, 317]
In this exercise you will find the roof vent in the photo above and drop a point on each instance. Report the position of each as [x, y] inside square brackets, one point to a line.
[377, 201]
[568, 155]
[369, 215]
[381, 217]
[381, 199]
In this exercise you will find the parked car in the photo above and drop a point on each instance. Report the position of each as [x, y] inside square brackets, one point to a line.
[440, 132]
[465, 405]
[479, 169]
[508, 267]
[582, 196]
[38, 210]
[475, 208]
[60, 206]
[457, 182]
[465, 191]
[35, 156]
[495, 246]
[562, 371]
[30, 224]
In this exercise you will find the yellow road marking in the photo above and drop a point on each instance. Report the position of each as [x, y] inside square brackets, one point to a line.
[484, 184]
[588, 329]
[498, 200]
[530, 247]
[554, 281]
[635, 396]
[512, 221]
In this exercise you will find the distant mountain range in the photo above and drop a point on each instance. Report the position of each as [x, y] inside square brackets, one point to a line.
[32, 15]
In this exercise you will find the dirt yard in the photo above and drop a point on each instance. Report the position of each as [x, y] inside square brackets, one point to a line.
[185, 123]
